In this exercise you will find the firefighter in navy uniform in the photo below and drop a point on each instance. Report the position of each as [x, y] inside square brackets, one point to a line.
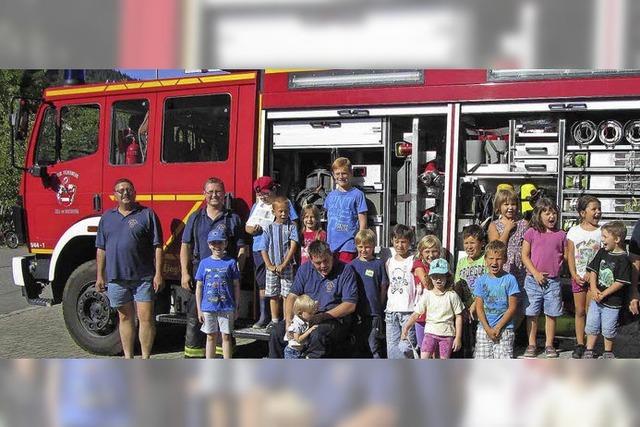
[195, 247]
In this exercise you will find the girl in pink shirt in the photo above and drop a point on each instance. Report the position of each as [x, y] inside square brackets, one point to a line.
[543, 251]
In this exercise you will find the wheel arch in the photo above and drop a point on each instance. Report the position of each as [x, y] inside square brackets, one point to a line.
[75, 247]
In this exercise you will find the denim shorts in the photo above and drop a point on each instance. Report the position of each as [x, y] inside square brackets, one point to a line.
[125, 291]
[217, 322]
[602, 319]
[546, 298]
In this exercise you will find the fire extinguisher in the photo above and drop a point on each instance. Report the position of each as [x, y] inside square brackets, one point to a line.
[132, 155]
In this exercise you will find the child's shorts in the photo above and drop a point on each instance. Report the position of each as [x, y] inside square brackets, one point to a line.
[602, 319]
[345, 257]
[576, 288]
[547, 298]
[487, 349]
[279, 285]
[431, 341]
[217, 322]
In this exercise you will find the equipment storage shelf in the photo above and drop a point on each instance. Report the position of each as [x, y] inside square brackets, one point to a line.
[506, 146]
[602, 159]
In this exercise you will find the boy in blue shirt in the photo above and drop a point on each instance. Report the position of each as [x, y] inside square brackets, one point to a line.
[496, 294]
[217, 293]
[346, 212]
[372, 290]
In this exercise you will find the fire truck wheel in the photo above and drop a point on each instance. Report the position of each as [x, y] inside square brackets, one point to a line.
[92, 324]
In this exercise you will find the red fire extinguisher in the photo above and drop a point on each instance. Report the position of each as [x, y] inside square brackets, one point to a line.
[132, 155]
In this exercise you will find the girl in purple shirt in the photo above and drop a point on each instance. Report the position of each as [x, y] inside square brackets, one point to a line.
[543, 252]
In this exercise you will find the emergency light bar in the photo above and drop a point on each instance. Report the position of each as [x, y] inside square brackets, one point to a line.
[551, 74]
[348, 78]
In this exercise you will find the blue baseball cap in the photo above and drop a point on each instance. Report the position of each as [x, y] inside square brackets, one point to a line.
[217, 235]
[439, 266]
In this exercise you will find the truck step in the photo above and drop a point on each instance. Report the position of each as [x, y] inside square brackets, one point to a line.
[44, 302]
[174, 319]
[252, 333]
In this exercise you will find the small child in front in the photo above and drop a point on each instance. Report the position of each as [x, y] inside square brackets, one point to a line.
[280, 246]
[496, 294]
[372, 291]
[610, 273]
[346, 212]
[443, 309]
[215, 298]
[304, 307]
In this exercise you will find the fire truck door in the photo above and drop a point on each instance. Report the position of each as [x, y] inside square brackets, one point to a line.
[129, 145]
[198, 142]
[63, 191]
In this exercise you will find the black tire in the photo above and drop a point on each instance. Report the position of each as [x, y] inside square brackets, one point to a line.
[92, 324]
[12, 239]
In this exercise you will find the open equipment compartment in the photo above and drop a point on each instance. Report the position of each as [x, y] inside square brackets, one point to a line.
[398, 162]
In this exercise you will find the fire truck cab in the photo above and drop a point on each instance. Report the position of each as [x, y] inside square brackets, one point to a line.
[429, 148]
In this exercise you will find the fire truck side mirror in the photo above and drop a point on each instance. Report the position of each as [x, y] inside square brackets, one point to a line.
[38, 171]
[20, 121]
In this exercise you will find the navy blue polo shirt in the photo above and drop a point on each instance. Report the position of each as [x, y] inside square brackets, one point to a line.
[339, 286]
[129, 242]
[198, 226]
[371, 276]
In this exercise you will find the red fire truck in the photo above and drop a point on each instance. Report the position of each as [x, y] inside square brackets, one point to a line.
[429, 147]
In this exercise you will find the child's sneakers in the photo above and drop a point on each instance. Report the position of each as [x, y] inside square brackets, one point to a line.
[550, 352]
[530, 352]
[578, 351]
[271, 325]
[588, 354]
[608, 355]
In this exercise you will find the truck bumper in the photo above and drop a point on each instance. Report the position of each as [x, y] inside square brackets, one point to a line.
[23, 277]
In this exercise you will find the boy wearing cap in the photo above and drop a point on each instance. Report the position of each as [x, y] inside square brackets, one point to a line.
[496, 294]
[260, 217]
[217, 293]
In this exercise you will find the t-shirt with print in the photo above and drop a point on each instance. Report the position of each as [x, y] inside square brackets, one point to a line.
[371, 278]
[469, 269]
[611, 267]
[309, 237]
[297, 326]
[262, 214]
[547, 250]
[277, 240]
[440, 311]
[217, 276]
[401, 293]
[587, 244]
[343, 208]
[495, 293]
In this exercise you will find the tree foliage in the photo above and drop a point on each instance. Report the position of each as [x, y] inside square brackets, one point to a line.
[29, 84]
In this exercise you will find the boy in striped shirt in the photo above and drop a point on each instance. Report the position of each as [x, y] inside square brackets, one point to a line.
[280, 245]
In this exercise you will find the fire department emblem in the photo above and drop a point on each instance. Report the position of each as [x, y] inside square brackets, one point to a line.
[66, 192]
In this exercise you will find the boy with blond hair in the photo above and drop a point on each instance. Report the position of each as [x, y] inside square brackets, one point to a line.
[372, 290]
[346, 212]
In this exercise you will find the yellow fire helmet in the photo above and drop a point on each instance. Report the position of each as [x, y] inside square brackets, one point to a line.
[525, 193]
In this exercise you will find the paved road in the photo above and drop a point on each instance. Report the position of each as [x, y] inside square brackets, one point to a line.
[11, 298]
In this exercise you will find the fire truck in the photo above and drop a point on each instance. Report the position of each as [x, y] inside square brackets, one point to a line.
[429, 148]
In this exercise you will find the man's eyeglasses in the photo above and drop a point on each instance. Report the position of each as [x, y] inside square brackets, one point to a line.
[124, 191]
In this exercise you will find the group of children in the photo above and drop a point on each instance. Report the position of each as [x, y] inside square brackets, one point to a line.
[412, 302]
